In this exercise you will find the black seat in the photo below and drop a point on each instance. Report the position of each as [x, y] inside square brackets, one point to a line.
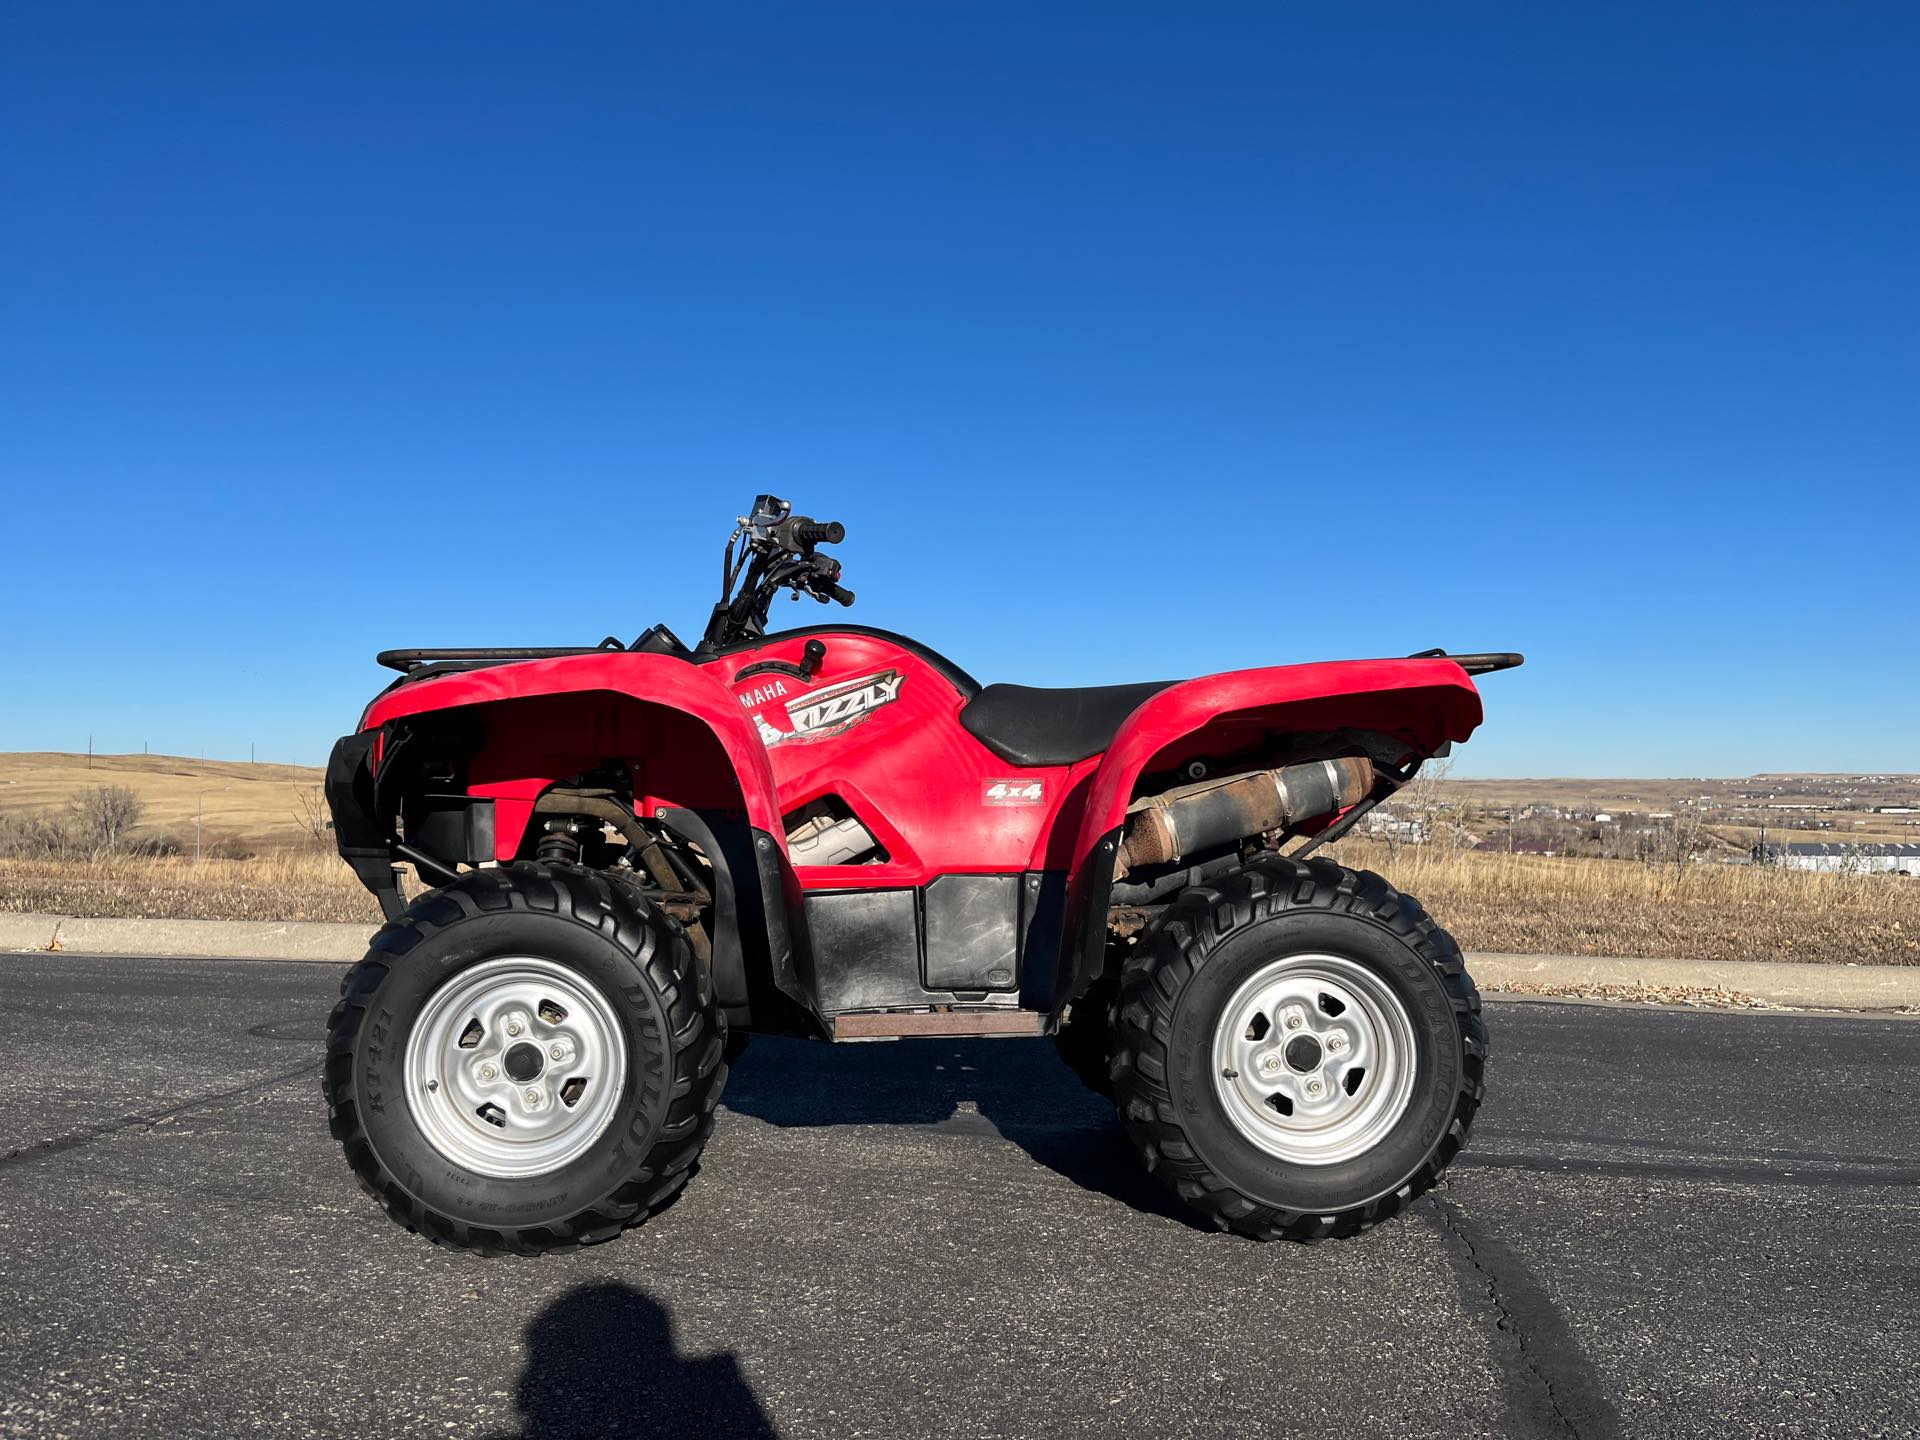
[1024, 725]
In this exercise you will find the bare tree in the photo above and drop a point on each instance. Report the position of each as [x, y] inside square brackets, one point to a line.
[1428, 818]
[314, 818]
[1679, 842]
[104, 818]
[35, 834]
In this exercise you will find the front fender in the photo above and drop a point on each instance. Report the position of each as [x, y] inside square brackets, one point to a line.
[547, 718]
[693, 753]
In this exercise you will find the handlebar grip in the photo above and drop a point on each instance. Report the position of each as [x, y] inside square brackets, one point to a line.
[813, 532]
[839, 592]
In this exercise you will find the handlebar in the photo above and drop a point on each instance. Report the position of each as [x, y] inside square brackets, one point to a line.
[778, 554]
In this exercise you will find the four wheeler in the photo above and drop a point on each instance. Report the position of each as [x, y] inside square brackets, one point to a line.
[640, 853]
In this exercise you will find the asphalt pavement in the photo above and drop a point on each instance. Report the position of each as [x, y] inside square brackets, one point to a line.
[1669, 1223]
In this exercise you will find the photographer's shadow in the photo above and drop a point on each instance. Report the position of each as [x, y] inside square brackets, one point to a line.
[1019, 1088]
[601, 1362]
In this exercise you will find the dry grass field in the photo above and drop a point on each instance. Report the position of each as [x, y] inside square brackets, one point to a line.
[1519, 903]
[260, 805]
[287, 885]
[1529, 904]
[1490, 901]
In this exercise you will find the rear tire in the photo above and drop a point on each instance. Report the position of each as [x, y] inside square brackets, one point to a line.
[528, 1059]
[1297, 981]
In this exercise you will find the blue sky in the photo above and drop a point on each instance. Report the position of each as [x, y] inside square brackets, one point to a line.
[1130, 341]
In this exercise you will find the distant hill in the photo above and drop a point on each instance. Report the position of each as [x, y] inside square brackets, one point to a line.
[1839, 806]
[261, 804]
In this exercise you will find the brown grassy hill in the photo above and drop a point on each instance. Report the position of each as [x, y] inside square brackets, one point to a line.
[259, 804]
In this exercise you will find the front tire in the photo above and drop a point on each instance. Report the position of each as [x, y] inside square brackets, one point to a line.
[528, 1059]
[1298, 1049]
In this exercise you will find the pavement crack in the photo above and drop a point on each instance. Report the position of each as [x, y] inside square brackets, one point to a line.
[145, 1122]
[1552, 1389]
[1805, 1176]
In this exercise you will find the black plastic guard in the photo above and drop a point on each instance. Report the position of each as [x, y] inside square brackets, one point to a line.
[356, 828]
[1083, 950]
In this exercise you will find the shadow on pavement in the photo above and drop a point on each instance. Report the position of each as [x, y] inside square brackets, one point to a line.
[601, 1361]
[1018, 1087]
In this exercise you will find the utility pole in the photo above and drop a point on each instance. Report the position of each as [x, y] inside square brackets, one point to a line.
[89, 752]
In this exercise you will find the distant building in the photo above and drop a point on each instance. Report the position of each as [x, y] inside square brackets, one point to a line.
[1847, 859]
[1395, 827]
[1518, 845]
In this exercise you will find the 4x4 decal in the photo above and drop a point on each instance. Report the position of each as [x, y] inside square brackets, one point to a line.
[1012, 792]
[836, 709]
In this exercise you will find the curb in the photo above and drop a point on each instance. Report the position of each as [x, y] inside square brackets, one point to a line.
[313, 940]
[1809, 986]
[1833, 987]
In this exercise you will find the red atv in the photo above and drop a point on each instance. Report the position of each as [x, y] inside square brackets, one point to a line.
[643, 852]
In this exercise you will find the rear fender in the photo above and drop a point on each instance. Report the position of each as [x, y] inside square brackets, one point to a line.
[1424, 704]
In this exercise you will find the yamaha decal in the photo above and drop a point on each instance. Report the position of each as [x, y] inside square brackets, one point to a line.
[760, 694]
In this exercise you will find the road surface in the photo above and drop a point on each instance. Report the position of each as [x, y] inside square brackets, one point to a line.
[1669, 1223]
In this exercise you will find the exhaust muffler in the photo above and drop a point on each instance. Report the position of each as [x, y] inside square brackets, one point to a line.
[1162, 828]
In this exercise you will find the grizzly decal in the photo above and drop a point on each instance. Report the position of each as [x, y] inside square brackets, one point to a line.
[836, 709]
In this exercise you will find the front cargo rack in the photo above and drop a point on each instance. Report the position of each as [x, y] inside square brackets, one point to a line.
[1476, 664]
[471, 657]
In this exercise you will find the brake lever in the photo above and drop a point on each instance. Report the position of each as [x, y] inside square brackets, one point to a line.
[824, 583]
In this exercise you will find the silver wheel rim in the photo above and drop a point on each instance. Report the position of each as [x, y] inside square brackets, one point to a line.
[516, 1067]
[1314, 1059]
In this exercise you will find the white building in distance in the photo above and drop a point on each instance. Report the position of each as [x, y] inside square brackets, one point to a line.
[1864, 859]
